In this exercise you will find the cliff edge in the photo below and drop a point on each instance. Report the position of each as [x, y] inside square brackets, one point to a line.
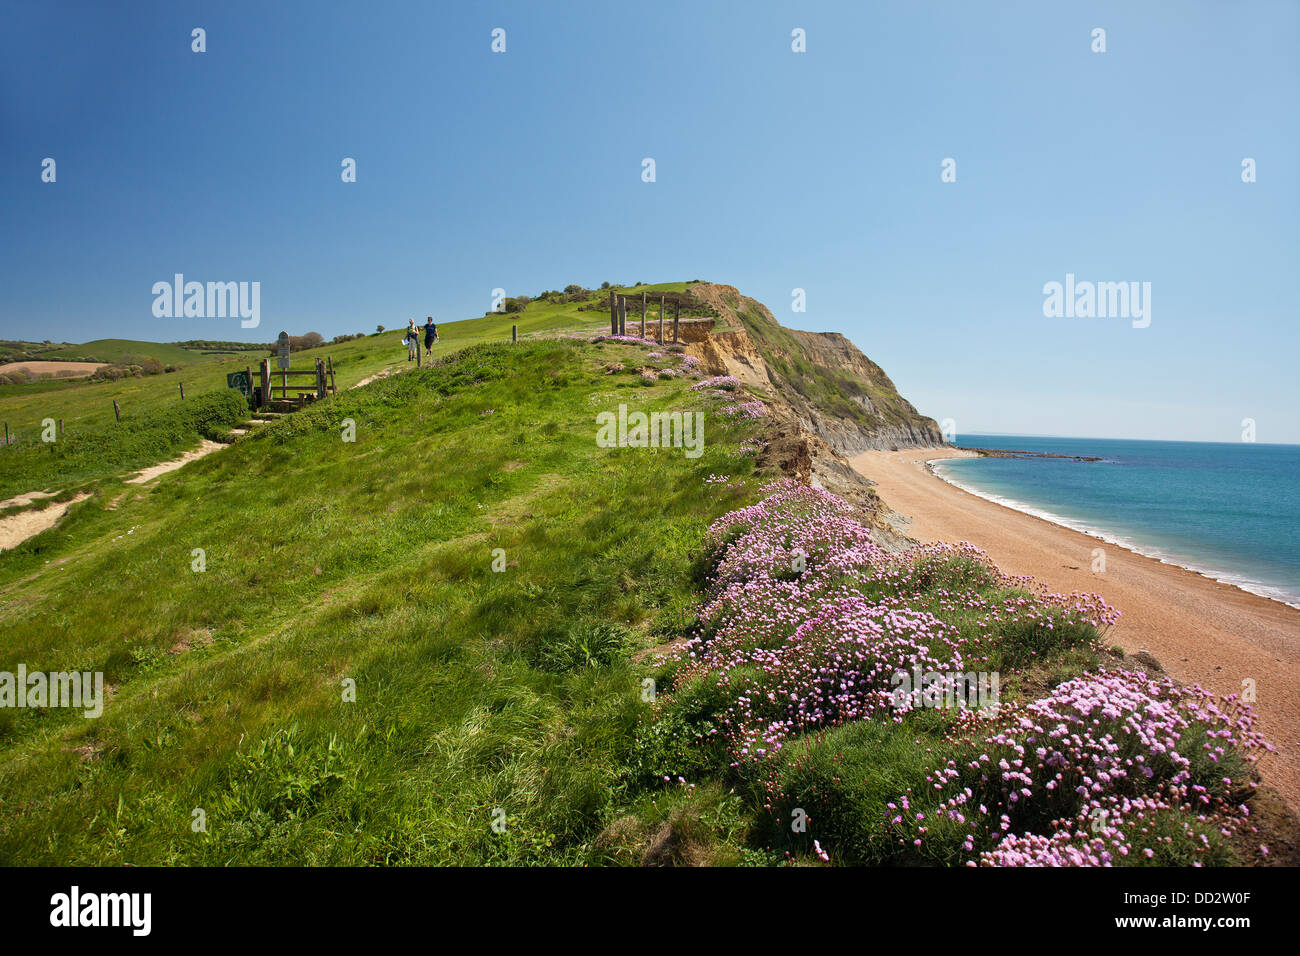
[825, 382]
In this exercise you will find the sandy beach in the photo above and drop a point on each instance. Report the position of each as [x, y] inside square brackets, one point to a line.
[1201, 631]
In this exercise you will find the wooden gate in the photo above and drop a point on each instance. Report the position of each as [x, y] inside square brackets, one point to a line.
[289, 389]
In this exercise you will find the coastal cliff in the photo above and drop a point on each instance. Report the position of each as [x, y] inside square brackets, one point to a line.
[822, 379]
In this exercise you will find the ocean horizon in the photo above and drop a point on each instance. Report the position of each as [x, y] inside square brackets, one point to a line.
[1228, 510]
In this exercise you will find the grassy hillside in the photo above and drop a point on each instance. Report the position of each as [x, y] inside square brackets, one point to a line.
[86, 408]
[124, 351]
[431, 645]
[476, 634]
[372, 561]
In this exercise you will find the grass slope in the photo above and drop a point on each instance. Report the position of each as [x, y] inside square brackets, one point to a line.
[115, 350]
[86, 408]
[371, 561]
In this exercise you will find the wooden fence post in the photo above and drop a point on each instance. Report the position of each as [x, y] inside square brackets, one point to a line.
[613, 313]
[661, 320]
[514, 333]
[182, 385]
[6, 433]
[676, 309]
[117, 412]
[643, 313]
[320, 379]
[266, 382]
[329, 367]
[622, 315]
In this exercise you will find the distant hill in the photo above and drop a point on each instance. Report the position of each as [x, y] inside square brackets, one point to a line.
[119, 351]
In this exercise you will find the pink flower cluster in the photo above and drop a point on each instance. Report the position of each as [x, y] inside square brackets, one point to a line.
[728, 383]
[629, 339]
[745, 410]
[808, 620]
[1100, 759]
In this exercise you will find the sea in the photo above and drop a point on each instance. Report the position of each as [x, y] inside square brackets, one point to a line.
[1230, 511]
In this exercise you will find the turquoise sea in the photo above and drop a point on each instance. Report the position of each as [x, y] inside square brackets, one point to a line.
[1230, 511]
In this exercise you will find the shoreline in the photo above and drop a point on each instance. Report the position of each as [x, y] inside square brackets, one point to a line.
[1217, 575]
[1200, 630]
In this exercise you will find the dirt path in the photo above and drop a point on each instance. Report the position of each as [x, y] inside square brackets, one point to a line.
[26, 499]
[1201, 631]
[16, 529]
[149, 474]
[383, 373]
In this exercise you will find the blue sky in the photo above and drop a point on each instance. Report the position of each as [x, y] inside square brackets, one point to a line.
[775, 171]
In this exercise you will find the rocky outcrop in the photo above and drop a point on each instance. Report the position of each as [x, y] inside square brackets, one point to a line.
[824, 381]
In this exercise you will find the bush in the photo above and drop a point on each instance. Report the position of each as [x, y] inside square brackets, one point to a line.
[136, 442]
[215, 413]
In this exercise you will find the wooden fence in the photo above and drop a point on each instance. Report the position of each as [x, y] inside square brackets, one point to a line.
[317, 384]
[618, 316]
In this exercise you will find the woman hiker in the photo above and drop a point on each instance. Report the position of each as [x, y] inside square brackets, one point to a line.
[430, 336]
[412, 341]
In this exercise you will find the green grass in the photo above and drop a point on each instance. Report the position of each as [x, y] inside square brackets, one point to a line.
[371, 561]
[138, 441]
[397, 642]
[86, 408]
[116, 350]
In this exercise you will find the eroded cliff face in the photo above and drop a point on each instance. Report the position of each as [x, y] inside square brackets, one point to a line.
[819, 380]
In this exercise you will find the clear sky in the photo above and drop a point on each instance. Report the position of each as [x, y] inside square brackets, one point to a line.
[775, 170]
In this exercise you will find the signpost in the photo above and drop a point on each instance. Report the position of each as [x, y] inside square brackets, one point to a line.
[282, 351]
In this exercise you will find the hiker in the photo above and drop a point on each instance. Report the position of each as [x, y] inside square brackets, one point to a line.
[430, 335]
[412, 341]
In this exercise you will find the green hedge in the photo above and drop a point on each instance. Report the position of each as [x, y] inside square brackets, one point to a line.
[118, 447]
